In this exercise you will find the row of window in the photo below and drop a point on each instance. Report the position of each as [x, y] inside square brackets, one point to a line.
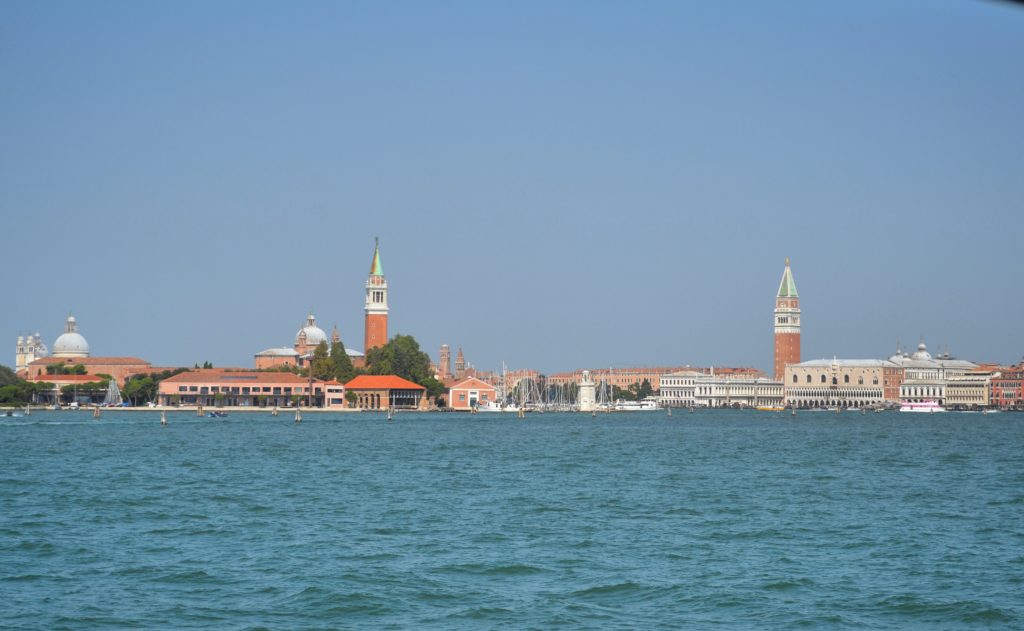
[245, 390]
[835, 381]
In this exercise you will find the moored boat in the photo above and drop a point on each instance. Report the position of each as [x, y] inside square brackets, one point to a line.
[927, 407]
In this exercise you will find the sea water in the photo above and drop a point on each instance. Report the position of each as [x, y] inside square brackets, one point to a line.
[714, 519]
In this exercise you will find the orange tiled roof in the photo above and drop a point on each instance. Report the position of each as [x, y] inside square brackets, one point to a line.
[240, 377]
[465, 383]
[65, 379]
[85, 361]
[381, 382]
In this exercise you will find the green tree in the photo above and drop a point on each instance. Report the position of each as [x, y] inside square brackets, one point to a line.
[322, 366]
[645, 390]
[402, 356]
[343, 369]
[7, 377]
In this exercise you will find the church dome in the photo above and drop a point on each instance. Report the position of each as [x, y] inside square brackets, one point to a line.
[921, 353]
[71, 343]
[313, 334]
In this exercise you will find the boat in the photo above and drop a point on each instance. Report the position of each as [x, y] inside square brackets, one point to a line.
[216, 414]
[927, 407]
[650, 403]
[770, 408]
[990, 411]
[494, 406]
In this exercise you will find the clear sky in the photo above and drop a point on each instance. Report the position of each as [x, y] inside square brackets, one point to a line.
[555, 184]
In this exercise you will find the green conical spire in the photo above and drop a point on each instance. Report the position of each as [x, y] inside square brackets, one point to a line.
[787, 288]
[376, 269]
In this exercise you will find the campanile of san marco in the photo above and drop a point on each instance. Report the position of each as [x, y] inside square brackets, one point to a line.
[787, 324]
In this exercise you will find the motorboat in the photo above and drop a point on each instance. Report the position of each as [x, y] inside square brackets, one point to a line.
[927, 407]
[216, 414]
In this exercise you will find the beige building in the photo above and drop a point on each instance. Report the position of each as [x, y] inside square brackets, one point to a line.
[836, 383]
[970, 390]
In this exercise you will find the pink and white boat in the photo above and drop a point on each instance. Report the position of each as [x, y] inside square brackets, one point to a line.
[924, 406]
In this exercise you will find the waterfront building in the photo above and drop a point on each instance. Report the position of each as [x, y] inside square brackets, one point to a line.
[836, 383]
[971, 390]
[247, 388]
[375, 331]
[677, 388]
[28, 349]
[466, 394]
[717, 391]
[625, 377]
[378, 392]
[120, 368]
[1008, 388]
[925, 377]
[55, 394]
[787, 324]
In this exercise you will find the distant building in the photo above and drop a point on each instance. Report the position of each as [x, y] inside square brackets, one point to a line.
[925, 377]
[308, 337]
[1008, 388]
[787, 324]
[71, 349]
[971, 390]
[460, 365]
[55, 396]
[28, 349]
[378, 392]
[677, 388]
[71, 343]
[468, 393]
[713, 391]
[625, 377]
[836, 382]
[376, 323]
[716, 387]
[444, 367]
[247, 388]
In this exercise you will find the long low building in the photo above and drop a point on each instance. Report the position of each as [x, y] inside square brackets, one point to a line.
[692, 388]
[248, 388]
[836, 382]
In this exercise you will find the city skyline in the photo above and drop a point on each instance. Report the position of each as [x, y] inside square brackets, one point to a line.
[554, 187]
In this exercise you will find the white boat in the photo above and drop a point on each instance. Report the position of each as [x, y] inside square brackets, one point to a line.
[494, 406]
[650, 403]
[928, 407]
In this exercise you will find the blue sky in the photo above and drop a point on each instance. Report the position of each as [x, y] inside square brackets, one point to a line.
[555, 185]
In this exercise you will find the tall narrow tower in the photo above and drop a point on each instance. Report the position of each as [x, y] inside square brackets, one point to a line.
[460, 365]
[444, 371]
[787, 324]
[376, 326]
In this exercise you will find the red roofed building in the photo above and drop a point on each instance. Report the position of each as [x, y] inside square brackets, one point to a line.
[466, 394]
[379, 392]
[61, 381]
[120, 368]
[247, 388]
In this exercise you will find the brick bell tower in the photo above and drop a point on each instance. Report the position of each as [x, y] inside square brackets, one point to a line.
[376, 325]
[787, 324]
